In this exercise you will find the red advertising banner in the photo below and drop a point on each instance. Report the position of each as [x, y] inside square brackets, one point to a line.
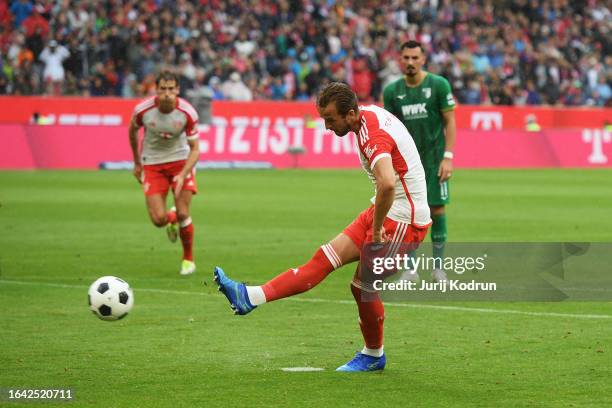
[116, 111]
[83, 132]
[244, 139]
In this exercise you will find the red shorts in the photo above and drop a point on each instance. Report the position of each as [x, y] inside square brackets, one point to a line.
[360, 230]
[157, 178]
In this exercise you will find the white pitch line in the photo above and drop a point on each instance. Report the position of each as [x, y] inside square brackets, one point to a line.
[301, 369]
[341, 302]
[466, 309]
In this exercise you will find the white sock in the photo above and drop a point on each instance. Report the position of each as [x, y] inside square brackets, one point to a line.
[373, 352]
[185, 222]
[256, 295]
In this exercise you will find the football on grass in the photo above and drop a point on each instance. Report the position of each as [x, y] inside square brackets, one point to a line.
[110, 298]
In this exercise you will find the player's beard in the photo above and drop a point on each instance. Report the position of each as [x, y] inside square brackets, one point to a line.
[166, 105]
[343, 131]
[411, 72]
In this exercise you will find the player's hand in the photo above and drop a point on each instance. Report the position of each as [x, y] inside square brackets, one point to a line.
[138, 172]
[179, 180]
[446, 170]
[380, 236]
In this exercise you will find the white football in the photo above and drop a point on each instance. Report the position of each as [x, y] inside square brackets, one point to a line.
[110, 298]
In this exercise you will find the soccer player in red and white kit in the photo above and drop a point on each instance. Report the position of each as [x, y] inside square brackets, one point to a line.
[399, 214]
[170, 150]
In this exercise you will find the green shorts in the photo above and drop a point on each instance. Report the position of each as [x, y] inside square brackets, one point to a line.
[437, 193]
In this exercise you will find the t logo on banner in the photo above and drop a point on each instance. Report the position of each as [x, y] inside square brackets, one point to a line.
[597, 137]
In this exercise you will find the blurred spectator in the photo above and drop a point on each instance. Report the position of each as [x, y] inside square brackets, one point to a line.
[201, 96]
[391, 72]
[53, 56]
[235, 90]
[5, 16]
[98, 86]
[36, 23]
[215, 86]
[21, 9]
[602, 93]
[4, 84]
[278, 89]
[532, 97]
[531, 123]
[302, 93]
[509, 52]
[362, 78]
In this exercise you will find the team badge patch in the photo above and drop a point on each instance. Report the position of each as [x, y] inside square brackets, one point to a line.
[427, 92]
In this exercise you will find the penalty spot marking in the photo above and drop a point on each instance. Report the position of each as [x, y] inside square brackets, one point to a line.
[301, 369]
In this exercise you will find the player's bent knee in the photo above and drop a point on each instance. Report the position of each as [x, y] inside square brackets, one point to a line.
[159, 220]
[437, 210]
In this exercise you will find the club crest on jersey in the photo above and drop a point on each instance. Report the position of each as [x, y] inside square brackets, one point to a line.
[369, 151]
[427, 92]
[177, 124]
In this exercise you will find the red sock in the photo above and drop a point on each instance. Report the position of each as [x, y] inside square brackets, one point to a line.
[186, 233]
[305, 277]
[371, 316]
[171, 217]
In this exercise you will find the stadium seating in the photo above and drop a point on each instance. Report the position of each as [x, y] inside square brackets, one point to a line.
[529, 52]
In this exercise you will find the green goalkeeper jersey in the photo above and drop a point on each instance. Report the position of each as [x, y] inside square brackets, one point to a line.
[420, 108]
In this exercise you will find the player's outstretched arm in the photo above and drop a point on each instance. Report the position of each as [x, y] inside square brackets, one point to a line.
[385, 194]
[133, 132]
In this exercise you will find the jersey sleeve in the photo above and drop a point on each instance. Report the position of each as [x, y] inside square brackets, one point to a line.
[446, 101]
[379, 145]
[137, 117]
[140, 110]
[191, 125]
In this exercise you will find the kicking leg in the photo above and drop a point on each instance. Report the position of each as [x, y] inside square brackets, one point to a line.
[341, 250]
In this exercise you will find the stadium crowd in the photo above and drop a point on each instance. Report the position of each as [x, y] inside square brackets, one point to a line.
[504, 52]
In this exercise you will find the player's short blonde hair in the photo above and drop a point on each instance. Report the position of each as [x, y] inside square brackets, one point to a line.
[341, 94]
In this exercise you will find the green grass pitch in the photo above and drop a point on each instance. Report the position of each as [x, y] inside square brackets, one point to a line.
[181, 346]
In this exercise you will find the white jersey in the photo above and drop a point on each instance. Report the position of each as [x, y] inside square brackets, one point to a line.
[54, 68]
[166, 134]
[383, 135]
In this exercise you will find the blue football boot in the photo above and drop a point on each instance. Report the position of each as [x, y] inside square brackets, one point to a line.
[235, 292]
[363, 362]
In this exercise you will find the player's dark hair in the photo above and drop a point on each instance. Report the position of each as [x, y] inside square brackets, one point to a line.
[166, 76]
[341, 94]
[412, 44]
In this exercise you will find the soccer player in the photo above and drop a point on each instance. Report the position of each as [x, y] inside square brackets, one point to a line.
[399, 214]
[425, 105]
[170, 150]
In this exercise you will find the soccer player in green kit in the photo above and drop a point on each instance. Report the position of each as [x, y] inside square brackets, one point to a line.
[424, 103]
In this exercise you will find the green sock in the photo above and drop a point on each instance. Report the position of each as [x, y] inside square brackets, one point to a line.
[438, 235]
